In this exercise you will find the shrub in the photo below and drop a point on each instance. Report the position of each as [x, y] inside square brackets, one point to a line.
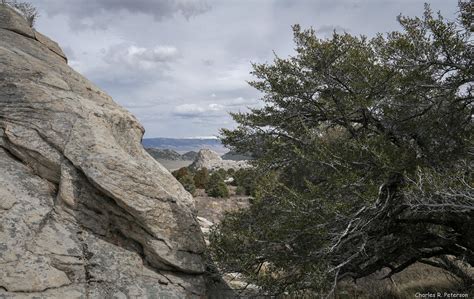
[216, 186]
[222, 172]
[188, 184]
[180, 173]
[218, 190]
[230, 171]
[240, 190]
[246, 179]
[201, 178]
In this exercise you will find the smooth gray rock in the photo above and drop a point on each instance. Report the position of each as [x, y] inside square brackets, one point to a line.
[85, 211]
[211, 160]
[50, 44]
[12, 20]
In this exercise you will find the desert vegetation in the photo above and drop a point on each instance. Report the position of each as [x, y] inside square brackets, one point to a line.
[213, 183]
[217, 183]
[26, 9]
[216, 187]
[363, 150]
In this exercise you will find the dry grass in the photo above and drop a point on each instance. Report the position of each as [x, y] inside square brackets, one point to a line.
[213, 209]
[418, 278]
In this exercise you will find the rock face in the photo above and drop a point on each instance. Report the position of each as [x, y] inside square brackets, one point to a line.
[211, 160]
[85, 211]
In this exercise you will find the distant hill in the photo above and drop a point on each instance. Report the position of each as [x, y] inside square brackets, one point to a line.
[165, 154]
[183, 145]
[191, 155]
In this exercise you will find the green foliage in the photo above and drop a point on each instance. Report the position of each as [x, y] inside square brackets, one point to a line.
[180, 173]
[240, 190]
[245, 180]
[344, 120]
[216, 186]
[222, 173]
[188, 183]
[201, 178]
[218, 190]
[186, 178]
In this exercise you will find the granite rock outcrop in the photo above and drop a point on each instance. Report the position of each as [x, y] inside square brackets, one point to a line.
[85, 211]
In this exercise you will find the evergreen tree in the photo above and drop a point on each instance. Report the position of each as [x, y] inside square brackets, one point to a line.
[180, 173]
[188, 184]
[370, 141]
[216, 186]
[201, 178]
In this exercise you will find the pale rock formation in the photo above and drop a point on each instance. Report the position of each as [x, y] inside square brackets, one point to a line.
[85, 212]
[211, 160]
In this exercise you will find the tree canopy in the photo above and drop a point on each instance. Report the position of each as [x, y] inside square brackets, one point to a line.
[368, 144]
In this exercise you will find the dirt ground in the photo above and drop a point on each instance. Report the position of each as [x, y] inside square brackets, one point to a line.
[214, 208]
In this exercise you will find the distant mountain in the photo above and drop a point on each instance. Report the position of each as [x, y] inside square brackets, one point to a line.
[165, 154]
[183, 145]
[191, 155]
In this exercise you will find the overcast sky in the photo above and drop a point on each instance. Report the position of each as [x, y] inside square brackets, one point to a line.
[181, 65]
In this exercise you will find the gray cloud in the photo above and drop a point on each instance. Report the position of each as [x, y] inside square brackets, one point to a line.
[140, 58]
[99, 14]
[208, 62]
[180, 66]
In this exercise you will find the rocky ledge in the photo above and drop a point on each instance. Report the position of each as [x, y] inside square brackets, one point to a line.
[85, 211]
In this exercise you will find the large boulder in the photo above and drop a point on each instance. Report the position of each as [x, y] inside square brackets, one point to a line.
[85, 211]
[206, 158]
[211, 160]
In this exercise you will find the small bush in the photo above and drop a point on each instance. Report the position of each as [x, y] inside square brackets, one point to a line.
[201, 178]
[222, 173]
[246, 179]
[180, 173]
[240, 190]
[218, 190]
[216, 186]
[188, 184]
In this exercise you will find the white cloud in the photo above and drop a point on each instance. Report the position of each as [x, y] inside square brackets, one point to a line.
[140, 57]
[194, 110]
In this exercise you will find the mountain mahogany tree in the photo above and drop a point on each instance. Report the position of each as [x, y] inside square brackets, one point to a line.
[369, 143]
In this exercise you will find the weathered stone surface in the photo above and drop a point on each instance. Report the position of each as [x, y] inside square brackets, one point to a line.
[31, 274]
[50, 44]
[85, 212]
[211, 160]
[12, 20]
